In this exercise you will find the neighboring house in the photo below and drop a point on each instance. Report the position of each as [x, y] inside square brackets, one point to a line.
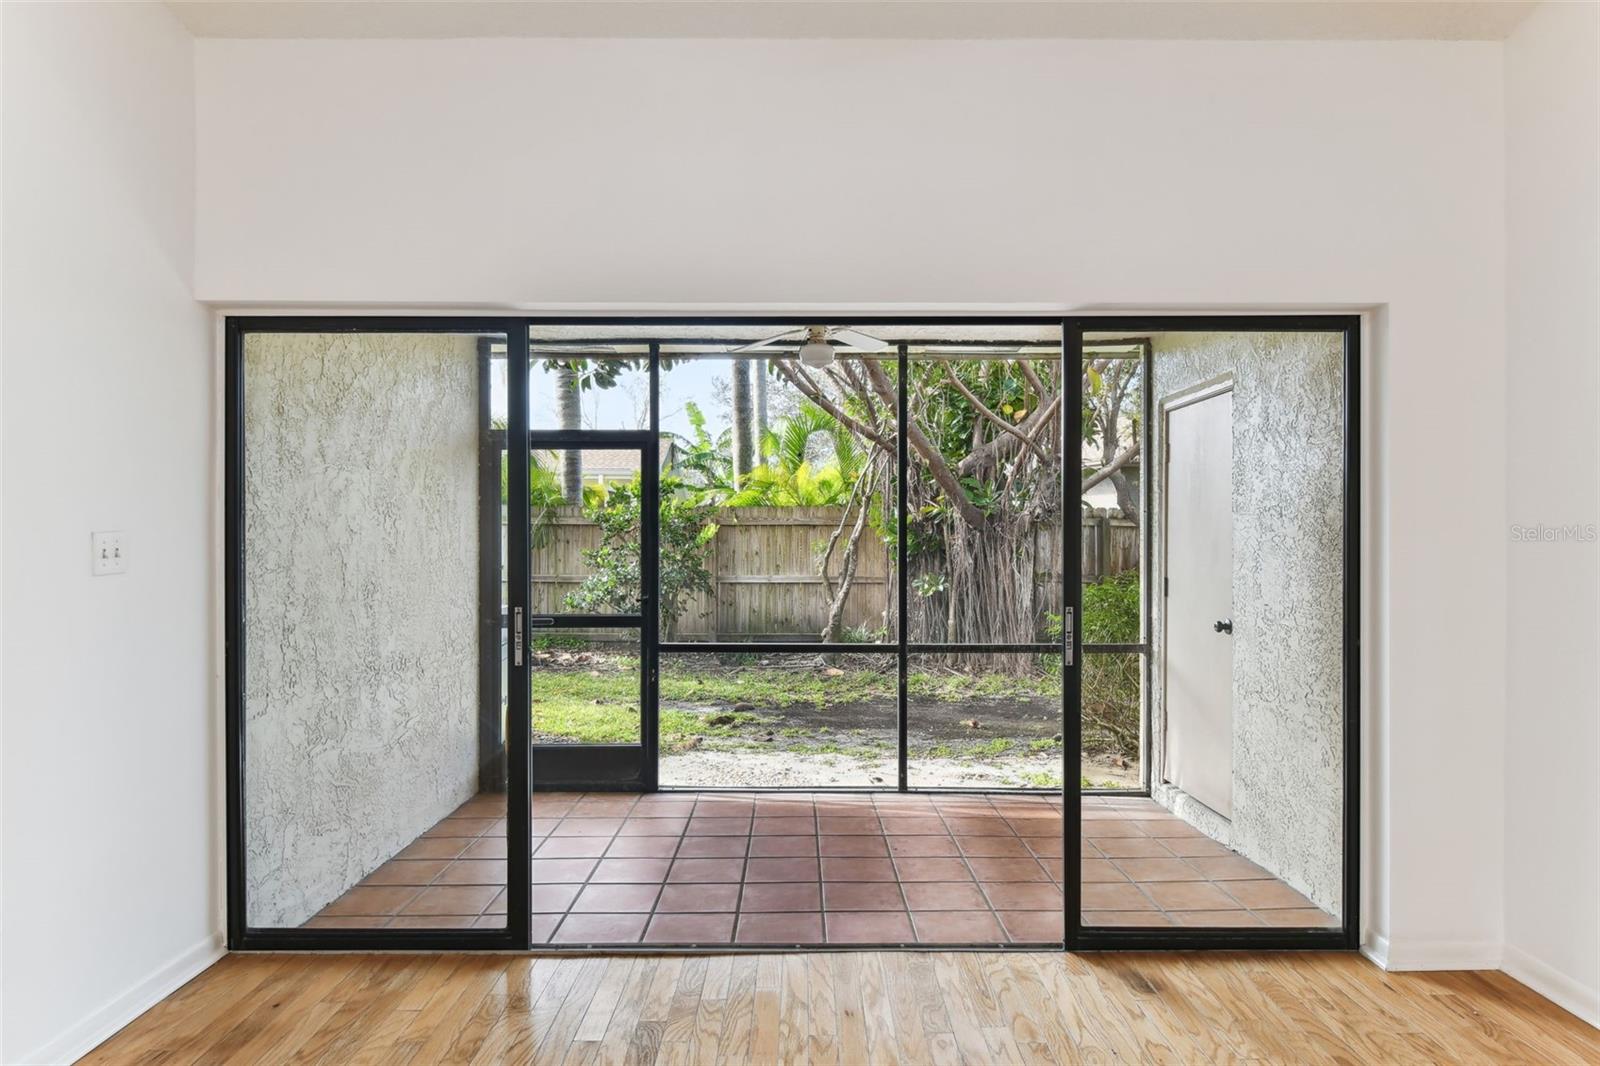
[606, 466]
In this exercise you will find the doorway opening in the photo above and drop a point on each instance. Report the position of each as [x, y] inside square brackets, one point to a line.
[775, 645]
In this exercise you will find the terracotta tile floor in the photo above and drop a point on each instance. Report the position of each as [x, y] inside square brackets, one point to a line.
[817, 868]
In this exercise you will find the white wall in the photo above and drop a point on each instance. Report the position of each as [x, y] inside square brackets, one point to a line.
[1065, 173]
[2, 548]
[109, 802]
[1552, 395]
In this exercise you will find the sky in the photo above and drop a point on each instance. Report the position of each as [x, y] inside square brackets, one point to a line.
[625, 405]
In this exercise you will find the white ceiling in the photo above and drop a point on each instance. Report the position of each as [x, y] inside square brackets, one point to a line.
[955, 19]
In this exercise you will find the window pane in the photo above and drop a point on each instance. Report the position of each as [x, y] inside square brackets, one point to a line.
[1113, 686]
[984, 496]
[982, 720]
[790, 468]
[588, 386]
[1243, 827]
[1112, 499]
[373, 795]
[761, 720]
[1112, 503]
[584, 535]
[586, 686]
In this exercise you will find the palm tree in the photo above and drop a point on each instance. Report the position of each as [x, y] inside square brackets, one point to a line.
[567, 413]
[789, 442]
[761, 400]
[787, 478]
[744, 420]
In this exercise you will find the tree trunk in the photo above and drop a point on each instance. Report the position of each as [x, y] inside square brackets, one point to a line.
[1124, 457]
[970, 569]
[1127, 503]
[762, 420]
[861, 500]
[833, 628]
[744, 423]
[567, 412]
[1118, 379]
[1127, 498]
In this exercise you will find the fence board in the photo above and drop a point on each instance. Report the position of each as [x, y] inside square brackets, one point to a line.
[764, 573]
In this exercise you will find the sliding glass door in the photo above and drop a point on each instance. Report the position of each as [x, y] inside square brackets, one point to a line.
[1217, 716]
[368, 770]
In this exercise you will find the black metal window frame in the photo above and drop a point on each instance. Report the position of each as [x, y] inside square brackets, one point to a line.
[515, 767]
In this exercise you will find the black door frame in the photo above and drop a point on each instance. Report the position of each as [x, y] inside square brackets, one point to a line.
[517, 933]
[605, 767]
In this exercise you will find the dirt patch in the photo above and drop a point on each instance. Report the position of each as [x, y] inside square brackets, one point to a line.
[747, 768]
[963, 720]
[1001, 742]
[821, 722]
[957, 725]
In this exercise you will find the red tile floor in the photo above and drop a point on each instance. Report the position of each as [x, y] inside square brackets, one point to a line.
[817, 868]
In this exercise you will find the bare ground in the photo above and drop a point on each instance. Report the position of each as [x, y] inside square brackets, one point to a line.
[979, 742]
[754, 768]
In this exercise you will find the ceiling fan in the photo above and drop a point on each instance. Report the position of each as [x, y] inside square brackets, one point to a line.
[816, 351]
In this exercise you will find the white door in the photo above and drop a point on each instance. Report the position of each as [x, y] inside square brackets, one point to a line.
[1199, 605]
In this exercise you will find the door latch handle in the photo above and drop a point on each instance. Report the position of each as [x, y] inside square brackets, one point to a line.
[1224, 625]
[516, 636]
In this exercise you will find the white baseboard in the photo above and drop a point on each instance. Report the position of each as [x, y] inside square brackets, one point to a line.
[1376, 948]
[1433, 954]
[1542, 978]
[104, 1023]
[1553, 985]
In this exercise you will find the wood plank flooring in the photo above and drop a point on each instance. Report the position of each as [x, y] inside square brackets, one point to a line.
[864, 1007]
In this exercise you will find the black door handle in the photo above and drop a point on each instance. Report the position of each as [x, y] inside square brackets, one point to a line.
[1223, 626]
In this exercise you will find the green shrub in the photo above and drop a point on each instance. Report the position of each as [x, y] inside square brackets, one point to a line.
[1111, 610]
[1111, 681]
[686, 532]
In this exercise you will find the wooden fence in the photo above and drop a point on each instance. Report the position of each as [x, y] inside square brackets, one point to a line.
[763, 566]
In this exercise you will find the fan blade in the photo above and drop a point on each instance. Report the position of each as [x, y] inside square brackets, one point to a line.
[856, 339]
[970, 349]
[789, 335]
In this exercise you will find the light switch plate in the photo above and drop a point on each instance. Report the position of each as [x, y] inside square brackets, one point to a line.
[110, 552]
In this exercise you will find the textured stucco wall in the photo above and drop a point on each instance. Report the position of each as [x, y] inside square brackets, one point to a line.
[360, 605]
[1288, 509]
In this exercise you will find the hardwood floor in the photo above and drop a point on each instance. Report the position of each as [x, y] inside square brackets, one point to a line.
[845, 1008]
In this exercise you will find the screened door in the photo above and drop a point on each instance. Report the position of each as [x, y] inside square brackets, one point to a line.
[586, 630]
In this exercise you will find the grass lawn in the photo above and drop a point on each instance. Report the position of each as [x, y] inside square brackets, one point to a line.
[601, 706]
[598, 701]
[1002, 723]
